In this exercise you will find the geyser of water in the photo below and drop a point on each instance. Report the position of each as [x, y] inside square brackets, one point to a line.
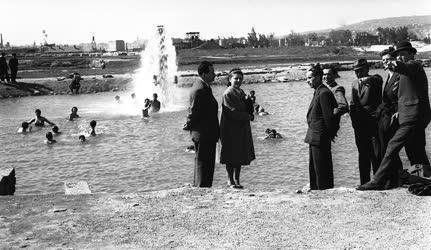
[158, 72]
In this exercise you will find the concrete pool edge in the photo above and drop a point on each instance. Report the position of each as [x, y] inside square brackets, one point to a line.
[218, 218]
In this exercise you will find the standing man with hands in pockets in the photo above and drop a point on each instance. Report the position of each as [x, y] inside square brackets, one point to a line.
[203, 124]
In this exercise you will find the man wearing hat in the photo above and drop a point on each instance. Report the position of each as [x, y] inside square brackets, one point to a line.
[366, 97]
[414, 114]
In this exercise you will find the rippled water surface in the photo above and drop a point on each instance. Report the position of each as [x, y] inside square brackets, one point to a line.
[131, 154]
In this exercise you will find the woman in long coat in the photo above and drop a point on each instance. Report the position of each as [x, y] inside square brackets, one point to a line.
[235, 132]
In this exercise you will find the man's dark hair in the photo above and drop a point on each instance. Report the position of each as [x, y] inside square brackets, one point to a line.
[316, 69]
[204, 67]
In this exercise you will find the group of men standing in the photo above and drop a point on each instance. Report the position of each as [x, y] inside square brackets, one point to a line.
[386, 116]
[4, 69]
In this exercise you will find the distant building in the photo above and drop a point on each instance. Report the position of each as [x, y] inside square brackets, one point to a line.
[117, 45]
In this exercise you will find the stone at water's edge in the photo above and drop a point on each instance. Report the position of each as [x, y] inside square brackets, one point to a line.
[7, 181]
[74, 188]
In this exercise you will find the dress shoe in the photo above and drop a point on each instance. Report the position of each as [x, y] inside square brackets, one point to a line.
[369, 186]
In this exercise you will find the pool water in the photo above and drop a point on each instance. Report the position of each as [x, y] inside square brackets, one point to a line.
[132, 154]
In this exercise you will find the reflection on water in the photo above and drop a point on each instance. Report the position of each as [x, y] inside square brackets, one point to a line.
[131, 154]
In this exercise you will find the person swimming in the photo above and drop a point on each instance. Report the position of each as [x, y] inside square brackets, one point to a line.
[155, 104]
[25, 128]
[39, 121]
[49, 138]
[93, 127]
[55, 130]
[74, 114]
[262, 112]
[272, 134]
[117, 99]
[82, 138]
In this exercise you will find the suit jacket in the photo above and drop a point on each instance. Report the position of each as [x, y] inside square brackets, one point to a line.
[203, 116]
[413, 99]
[389, 105]
[366, 94]
[322, 123]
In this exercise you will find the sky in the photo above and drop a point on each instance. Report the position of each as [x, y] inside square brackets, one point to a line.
[76, 21]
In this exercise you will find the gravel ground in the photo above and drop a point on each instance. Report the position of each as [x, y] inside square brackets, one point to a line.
[218, 218]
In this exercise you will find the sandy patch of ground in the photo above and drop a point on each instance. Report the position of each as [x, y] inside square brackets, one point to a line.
[218, 218]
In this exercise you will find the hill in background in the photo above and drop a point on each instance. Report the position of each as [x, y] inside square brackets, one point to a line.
[419, 25]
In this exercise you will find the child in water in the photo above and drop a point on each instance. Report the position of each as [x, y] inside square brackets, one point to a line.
[82, 138]
[25, 128]
[55, 130]
[49, 138]
[39, 120]
[272, 134]
[93, 128]
[74, 114]
[147, 105]
[262, 112]
[117, 99]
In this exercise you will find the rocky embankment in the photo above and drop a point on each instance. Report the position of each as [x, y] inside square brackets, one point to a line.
[218, 218]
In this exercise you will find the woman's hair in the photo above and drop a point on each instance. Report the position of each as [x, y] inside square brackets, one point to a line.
[316, 70]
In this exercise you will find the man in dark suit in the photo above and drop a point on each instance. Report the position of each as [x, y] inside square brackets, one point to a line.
[387, 123]
[204, 126]
[366, 97]
[322, 128]
[3, 68]
[414, 114]
[13, 65]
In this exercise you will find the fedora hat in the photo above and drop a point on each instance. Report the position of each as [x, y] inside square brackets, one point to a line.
[360, 63]
[404, 46]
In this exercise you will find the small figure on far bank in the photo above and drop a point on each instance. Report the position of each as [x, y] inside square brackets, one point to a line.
[49, 138]
[93, 127]
[237, 147]
[147, 105]
[74, 114]
[25, 128]
[155, 104]
[39, 120]
[75, 84]
[3, 68]
[329, 76]
[13, 65]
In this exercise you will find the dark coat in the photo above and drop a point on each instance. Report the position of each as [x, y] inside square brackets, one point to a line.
[3, 64]
[322, 123]
[235, 131]
[389, 105]
[13, 63]
[413, 99]
[203, 116]
[367, 94]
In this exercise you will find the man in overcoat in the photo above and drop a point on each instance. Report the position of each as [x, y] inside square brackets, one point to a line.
[204, 126]
[366, 97]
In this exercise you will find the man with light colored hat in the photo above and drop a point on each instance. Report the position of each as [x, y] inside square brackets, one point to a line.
[366, 97]
[414, 115]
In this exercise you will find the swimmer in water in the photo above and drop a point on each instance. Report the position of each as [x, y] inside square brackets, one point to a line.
[25, 128]
[262, 112]
[155, 104]
[49, 138]
[82, 138]
[93, 128]
[74, 114]
[39, 121]
[272, 134]
[56, 131]
[117, 99]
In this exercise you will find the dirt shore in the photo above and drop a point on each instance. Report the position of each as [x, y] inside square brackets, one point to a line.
[218, 218]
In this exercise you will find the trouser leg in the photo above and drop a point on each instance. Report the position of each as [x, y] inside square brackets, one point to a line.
[415, 147]
[390, 161]
[322, 163]
[311, 170]
[204, 164]
[365, 151]
[230, 170]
